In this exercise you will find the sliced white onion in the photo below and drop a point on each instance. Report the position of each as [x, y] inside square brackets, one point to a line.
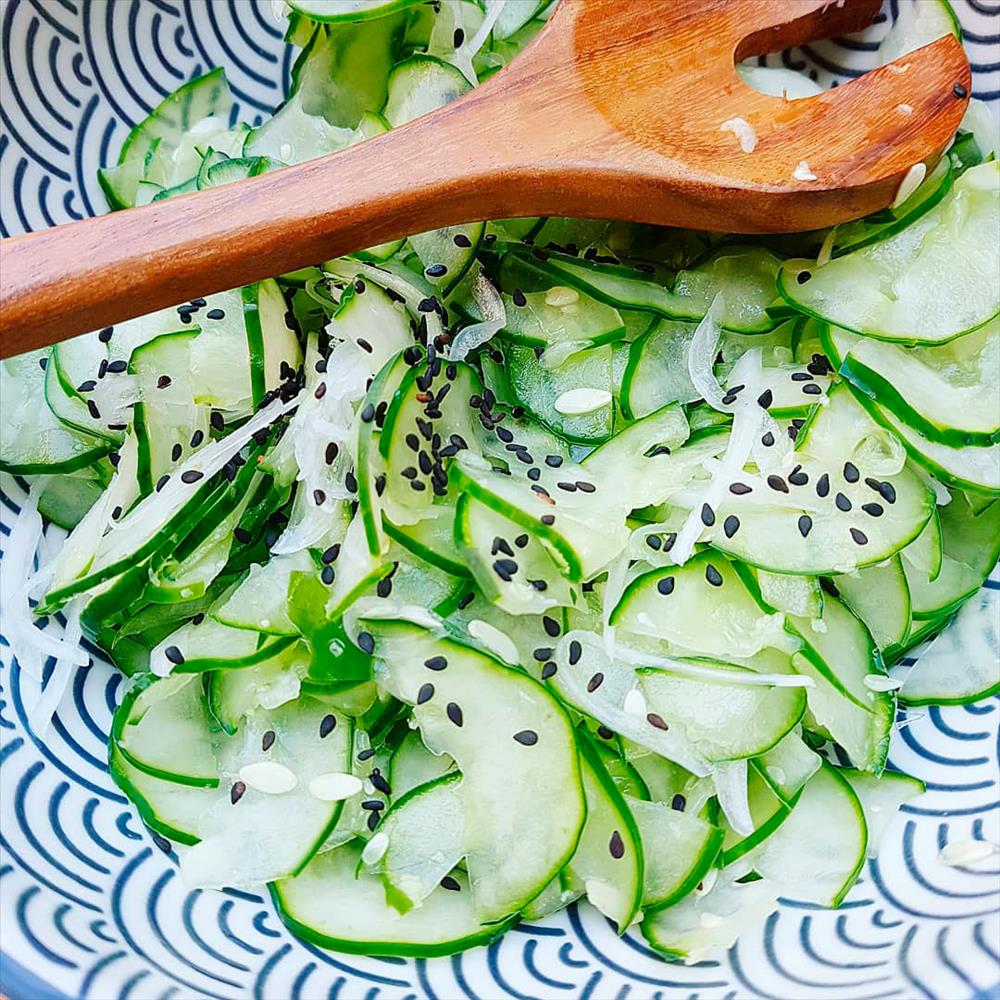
[491, 308]
[40, 717]
[730, 779]
[462, 59]
[715, 675]
[701, 356]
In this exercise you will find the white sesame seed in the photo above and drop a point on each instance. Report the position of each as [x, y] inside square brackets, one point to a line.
[905, 109]
[285, 151]
[334, 786]
[913, 179]
[493, 639]
[879, 682]
[576, 402]
[743, 131]
[898, 68]
[803, 173]
[965, 852]
[375, 848]
[635, 703]
[269, 777]
[560, 295]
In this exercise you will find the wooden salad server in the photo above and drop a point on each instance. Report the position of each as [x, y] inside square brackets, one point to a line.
[614, 111]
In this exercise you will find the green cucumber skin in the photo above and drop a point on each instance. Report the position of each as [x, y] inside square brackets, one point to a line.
[709, 859]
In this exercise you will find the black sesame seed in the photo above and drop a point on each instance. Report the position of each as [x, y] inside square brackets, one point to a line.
[888, 492]
[713, 576]
[116, 513]
[366, 642]
[89, 386]
[798, 478]
[117, 367]
[616, 846]
[823, 485]
[873, 509]
[802, 277]
[731, 525]
[373, 820]
[767, 440]
[327, 726]
[812, 389]
[436, 271]
[656, 721]
[379, 782]
[330, 554]
[605, 733]
[548, 670]
[551, 626]
[505, 569]
[454, 713]
[365, 345]
[175, 453]
[568, 487]
[859, 536]
[777, 483]
[521, 541]
[237, 792]
[351, 482]
[960, 91]
[519, 300]
[368, 413]
[105, 335]
[805, 525]
[595, 682]
[319, 497]
[665, 586]
[843, 503]
[217, 420]
[548, 519]
[174, 655]
[678, 802]
[164, 382]
[373, 805]
[267, 740]
[461, 240]
[542, 653]
[191, 476]
[328, 575]
[436, 663]
[575, 652]
[364, 755]
[707, 515]
[534, 474]
[161, 482]
[765, 399]
[448, 882]
[801, 377]
[654, 542]
[93, 410]
[425, 693]
[553, 461]
[585, 487]
[539, 585]
[740, 489]
[526, 737]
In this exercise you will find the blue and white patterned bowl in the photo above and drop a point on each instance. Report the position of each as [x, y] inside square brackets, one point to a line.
[91, 906]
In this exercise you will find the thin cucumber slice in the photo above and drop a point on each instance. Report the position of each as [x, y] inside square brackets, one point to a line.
[560, 315]
[372, 320]
[892, 290]
[233, 695]
[102, 410]
[788, 765]
[220, 366]
[446, 254]
[430, 538]
[670, 784]
[361, 923]
[211, 645]
[331, 11]
[880, 800]
[945, 393]
[272, 347]
[880, 597]
[272, 830]
[514, 16]
[767, 812]
[962, 664]
[421, 84]
[260, 602]
[703, 924]
[412, 764]
[539, 390]
[515, 747]
[32, 438]
[162, 727]
[674, 604]
[489, 542]
[925, 553]
[836, 510]
[583, 529]
[678, 848]
[426, 833]
[839, 654]
[745, 279]
[608, 862]
[916, 27]
[723, 721]
[66, 500]
[816, 854]
[795, 595]
[657, 370]
[794, 389]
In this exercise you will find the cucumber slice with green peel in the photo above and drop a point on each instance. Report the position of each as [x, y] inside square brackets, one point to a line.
[283, 810]
[413, 765]
[233, 695]
[744, 720]
[703, 924]
[446, 254]
[211, 645]
[839, 655]
[426, 839]
[553, 898]
[506, 730]
[218, 378]
[372, 320]
[166, 418]
[541, 390]
[608, 862]
[890, 289]
[970, 548]
[816, 854]
[583, 529]
[70, 407]
[880, 596]
[925, 553]
[794, 389]
[260, 602]
[627, 779]
[679, 850]
[332, 11]
[66, 500]
[512, 567]
[767, 812]
[672, 604]
[162, 727]
[361, 923]
[836, 510]
[514, 16]
[272, 346]
[657, 370]
[788, 765]
[794, 595]
[917, 27]
[34, 440]
[962, 664]
[430, 538]
[560, 315]
[100, 398]
[669, 783]
[944, 393]
[745, 279]
[880, 800]
[421, 84]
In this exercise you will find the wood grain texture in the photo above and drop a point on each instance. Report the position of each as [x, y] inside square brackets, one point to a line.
[614, 111]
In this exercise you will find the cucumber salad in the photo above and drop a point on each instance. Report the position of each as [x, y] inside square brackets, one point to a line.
[525, 561]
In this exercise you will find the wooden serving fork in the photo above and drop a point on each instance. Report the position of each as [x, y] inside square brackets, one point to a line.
[614, 111]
